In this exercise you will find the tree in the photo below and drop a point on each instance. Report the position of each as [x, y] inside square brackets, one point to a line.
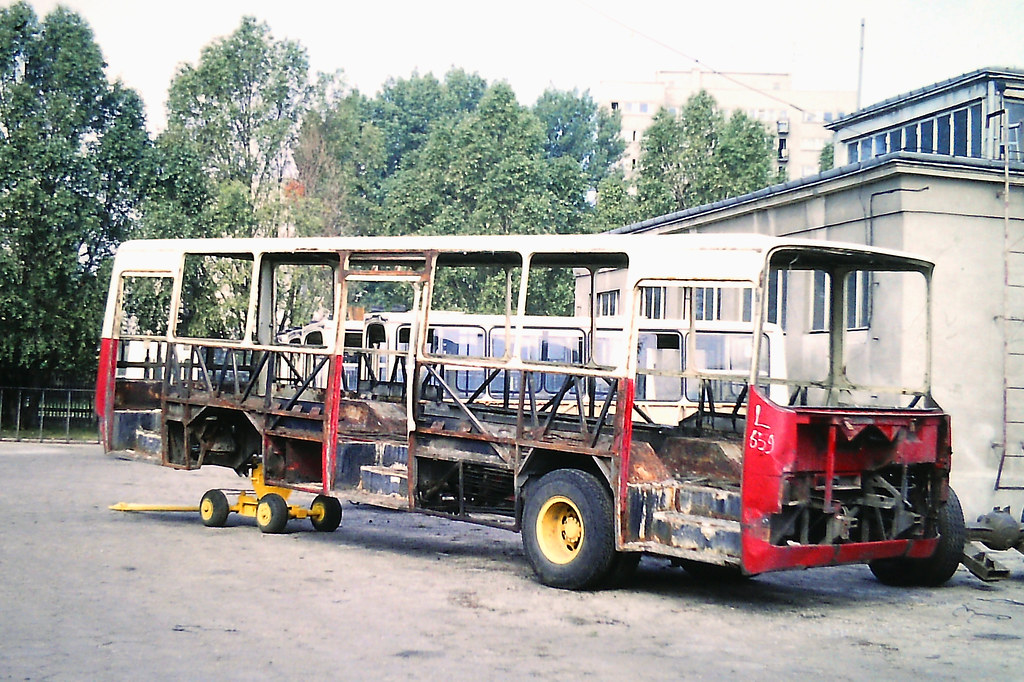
[73, 154]
[578, 129]
[745, 156]
[701, 157]
[239, 110]
[615, 205]
[827, 158]
[407, 110]
[487, 175]
[340, 161]
[179, 195]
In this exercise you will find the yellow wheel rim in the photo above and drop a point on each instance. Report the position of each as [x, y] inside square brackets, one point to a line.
[317, 510]
[263, 514]
[206, 509]
[560, 530]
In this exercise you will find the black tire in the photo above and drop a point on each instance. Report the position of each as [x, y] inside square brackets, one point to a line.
[569, 531]
[713, 572]
[329, 509]
[940, 566]
[213, 509]
[272, 513]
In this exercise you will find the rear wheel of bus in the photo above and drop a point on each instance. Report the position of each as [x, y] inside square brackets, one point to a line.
[940, 566]
[568, 530]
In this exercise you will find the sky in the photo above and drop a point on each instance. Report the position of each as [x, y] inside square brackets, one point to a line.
[566, 44]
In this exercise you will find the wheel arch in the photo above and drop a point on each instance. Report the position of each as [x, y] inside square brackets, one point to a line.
[541, 462]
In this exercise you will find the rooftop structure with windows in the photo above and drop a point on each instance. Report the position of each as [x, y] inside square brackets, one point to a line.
[975, 115]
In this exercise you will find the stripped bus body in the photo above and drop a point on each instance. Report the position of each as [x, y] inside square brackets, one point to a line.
[759, 464]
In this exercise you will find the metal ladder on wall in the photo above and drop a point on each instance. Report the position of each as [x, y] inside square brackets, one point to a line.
[999, 474]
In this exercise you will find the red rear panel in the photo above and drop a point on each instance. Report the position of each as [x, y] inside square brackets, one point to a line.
[105, 390]
[816, 483]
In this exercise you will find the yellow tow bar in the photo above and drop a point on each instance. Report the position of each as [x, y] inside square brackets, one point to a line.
[136, 507]
[265, 503]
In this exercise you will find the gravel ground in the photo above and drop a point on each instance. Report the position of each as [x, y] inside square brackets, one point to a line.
[89, 593]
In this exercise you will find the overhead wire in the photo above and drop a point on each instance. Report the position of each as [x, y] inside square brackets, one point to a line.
[693, 59]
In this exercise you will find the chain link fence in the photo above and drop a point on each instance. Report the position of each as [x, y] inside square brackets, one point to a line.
[48, 414]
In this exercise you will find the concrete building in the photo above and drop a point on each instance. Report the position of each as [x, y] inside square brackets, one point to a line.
[960, 203]
[798, 118]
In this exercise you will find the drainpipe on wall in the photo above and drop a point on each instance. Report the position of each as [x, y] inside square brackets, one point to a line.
[869, 228]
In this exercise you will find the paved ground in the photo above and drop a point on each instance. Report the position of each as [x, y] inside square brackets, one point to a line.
[88, 593]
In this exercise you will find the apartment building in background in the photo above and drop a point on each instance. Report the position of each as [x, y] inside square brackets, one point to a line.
[797, 118]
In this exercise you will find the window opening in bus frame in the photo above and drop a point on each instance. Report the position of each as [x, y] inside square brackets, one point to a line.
[691, 289]
[123, 276]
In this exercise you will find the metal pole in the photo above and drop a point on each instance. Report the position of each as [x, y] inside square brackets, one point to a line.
[41, 411]
[17, 419]
[67, 420]
[860, 65]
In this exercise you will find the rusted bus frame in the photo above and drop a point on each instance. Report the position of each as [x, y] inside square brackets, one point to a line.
[184, 375]
[193, 384]
[575, 377]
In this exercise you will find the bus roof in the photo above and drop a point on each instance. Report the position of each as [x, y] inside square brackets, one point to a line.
[704, 256]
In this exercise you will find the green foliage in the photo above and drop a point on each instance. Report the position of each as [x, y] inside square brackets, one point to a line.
[73, 155]
[827, 158]
[616, 205]
[408, 110]
[215, 297]
[240, 107]
[744, 155]
[340, 159]
[701, 157]
[578, 129]
[180, 196]
[487, 175]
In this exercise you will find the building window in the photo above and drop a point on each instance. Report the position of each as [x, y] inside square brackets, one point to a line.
[858, 300]
[960, 133]
[942, 135]
[852, 152]
[879, 145]
[608, 303]
[777, 281]
[707, 303]
[976, 131]
[927, 141]
[652, 302]
[819, 302]
[895, 140]
[615, 106]
[643, 107]
[910, 138]
[957, 133]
